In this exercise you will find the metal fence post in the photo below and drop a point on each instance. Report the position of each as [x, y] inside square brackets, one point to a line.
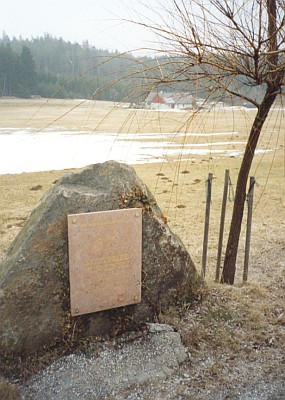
[222, 224]
[248, 227]
[207, 218]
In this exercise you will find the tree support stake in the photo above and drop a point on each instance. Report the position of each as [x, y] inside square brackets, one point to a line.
[248, 227]
[207, 219]
[222, 224]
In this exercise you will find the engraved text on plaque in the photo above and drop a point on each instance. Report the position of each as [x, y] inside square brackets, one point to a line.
[105, 256]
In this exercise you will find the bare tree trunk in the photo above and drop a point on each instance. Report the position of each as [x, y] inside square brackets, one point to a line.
[228, 274]
[245, 39]
[274, 84]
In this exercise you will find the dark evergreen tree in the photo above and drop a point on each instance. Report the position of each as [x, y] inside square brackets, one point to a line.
[27, 73]
[8, 70]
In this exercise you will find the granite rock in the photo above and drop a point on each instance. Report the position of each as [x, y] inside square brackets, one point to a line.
[34, 275]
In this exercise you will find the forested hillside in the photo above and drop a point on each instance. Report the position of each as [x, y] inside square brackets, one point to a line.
[50, 67]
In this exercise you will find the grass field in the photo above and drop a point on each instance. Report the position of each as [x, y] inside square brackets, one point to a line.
[254, 313]
[178, 183]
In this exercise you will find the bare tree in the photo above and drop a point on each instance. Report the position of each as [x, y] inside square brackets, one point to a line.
[226, 45]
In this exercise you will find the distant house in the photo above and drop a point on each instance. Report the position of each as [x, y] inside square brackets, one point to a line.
[164, 100]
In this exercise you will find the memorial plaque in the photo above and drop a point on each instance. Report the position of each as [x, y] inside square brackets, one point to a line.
[105, 257]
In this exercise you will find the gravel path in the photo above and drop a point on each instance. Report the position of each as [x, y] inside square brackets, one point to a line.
[156, 366]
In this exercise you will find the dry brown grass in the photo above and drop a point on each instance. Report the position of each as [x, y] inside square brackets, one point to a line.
[8, 391]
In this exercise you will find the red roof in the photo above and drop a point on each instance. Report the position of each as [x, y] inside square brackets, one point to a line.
[158, 99]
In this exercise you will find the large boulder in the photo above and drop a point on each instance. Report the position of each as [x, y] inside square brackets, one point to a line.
[34, 276]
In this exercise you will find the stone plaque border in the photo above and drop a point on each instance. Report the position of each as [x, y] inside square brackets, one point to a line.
[105, 259]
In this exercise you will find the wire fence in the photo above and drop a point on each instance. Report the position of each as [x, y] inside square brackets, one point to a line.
[228, 195]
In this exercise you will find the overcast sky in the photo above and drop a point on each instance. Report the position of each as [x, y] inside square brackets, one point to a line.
[98, 21]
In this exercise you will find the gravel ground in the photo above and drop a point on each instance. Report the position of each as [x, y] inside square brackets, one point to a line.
[155, 356]
[157, 366]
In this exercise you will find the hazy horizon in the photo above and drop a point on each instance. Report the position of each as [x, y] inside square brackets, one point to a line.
[100, 22]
